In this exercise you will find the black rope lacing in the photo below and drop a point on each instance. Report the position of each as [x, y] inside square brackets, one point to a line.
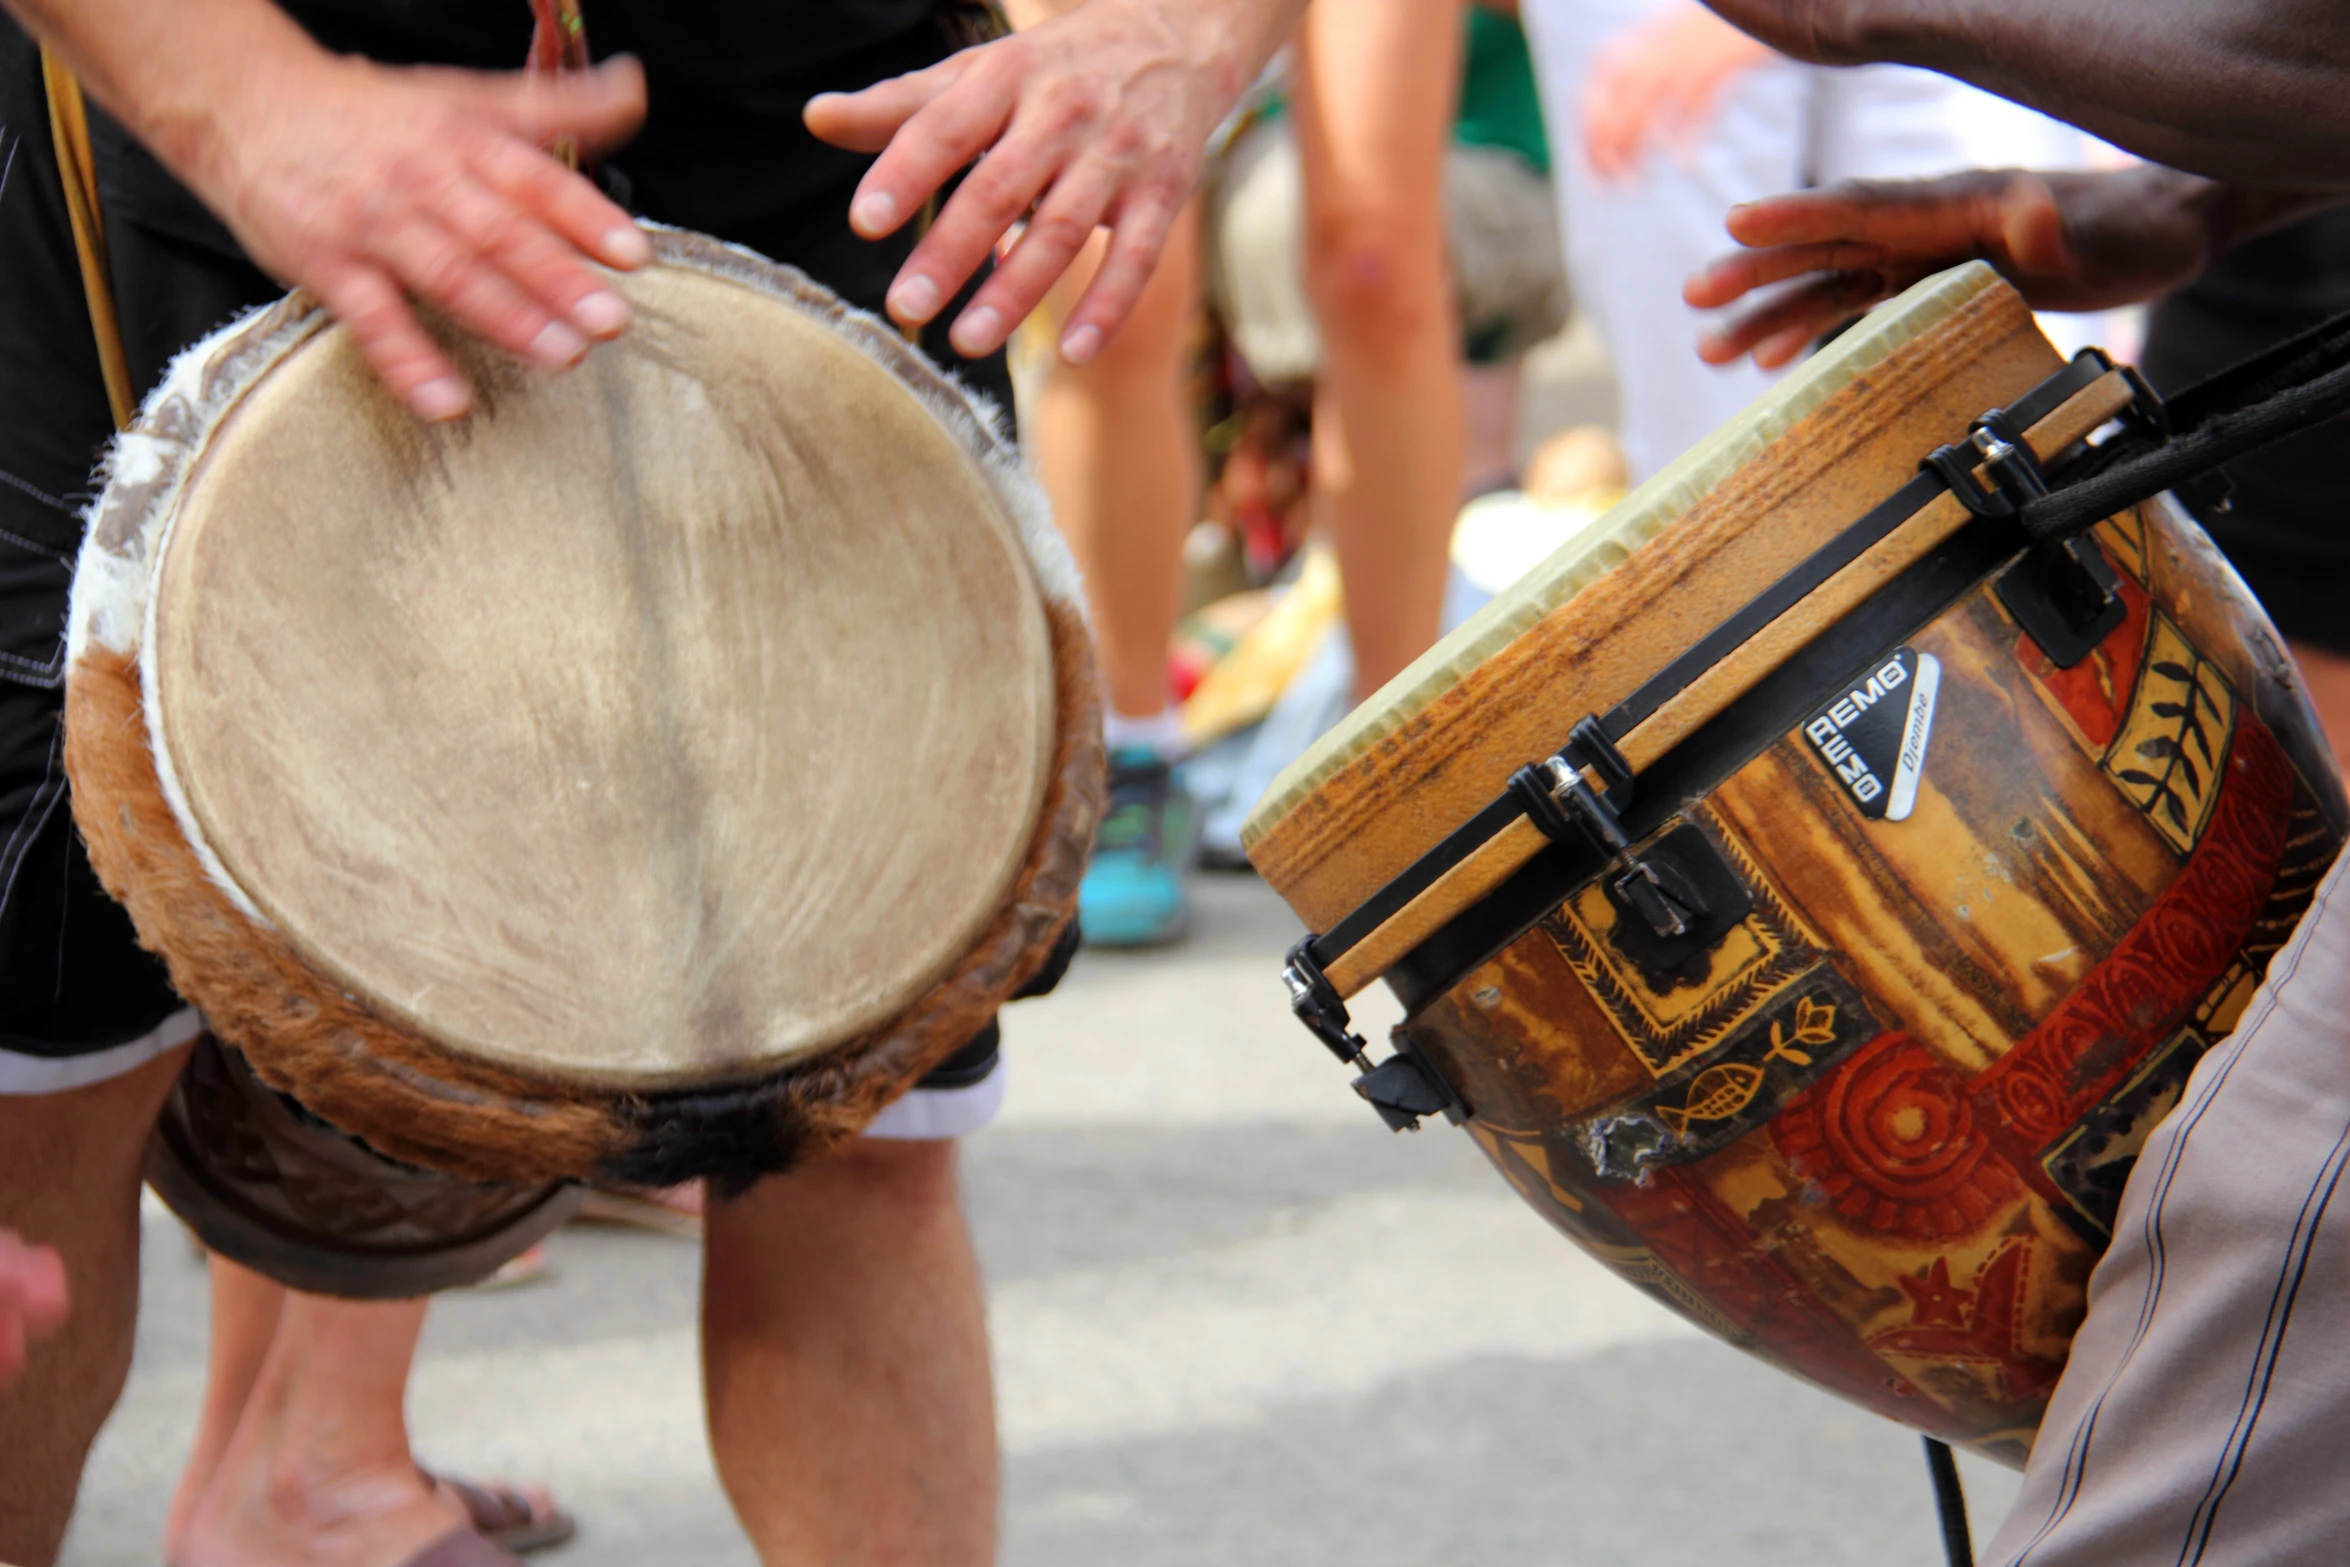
[2301, 382]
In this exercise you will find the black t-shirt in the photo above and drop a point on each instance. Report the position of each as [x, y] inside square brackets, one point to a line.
[722, 149]
[2284, 527]
[725, 81]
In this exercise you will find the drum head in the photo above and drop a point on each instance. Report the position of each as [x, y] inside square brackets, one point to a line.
[660, 723]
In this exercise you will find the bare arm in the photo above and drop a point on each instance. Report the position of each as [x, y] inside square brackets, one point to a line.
[1099, 116]
[368, 184]
[2251, 91]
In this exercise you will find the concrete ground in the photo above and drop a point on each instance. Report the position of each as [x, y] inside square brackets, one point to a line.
[1236, 1322]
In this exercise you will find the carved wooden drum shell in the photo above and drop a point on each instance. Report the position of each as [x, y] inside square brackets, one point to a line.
[651, 775]
[1871, 1120]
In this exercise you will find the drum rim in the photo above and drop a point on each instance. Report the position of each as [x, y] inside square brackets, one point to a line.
[1356, 745]
[176, 540]
[400, 1091]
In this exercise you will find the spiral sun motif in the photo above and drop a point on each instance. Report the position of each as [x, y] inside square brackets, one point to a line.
[1889, 1142]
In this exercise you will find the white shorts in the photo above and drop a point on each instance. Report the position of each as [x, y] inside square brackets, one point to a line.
[22, 1074]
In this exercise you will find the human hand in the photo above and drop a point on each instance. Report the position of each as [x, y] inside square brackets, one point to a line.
[32, 1299]
[1097, 116]
[369, 184]
[2069, 241]
[1656, 84]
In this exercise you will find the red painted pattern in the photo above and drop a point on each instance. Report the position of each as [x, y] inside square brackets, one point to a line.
[1713, 1250]
[1982, 1326]
[2157, 973]
[1890, 1141]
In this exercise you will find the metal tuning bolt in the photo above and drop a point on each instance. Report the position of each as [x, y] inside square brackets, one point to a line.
[1319, 1008]
[1645, 891]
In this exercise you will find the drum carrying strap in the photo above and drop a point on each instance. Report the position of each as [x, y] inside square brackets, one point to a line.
[69, 134]
[2299, 383]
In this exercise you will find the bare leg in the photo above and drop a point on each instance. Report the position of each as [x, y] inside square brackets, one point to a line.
[1115, 446]
[1489, 407]
[844, 1353]
[317, 1472]
[245, 1308]
[1376, 85]
[69, 1178]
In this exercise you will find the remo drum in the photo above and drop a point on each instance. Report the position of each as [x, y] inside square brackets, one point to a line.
[1807, 894]
[648, 776]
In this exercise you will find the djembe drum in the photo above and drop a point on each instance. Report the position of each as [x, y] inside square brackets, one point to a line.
[1809, 889]
[648, 776]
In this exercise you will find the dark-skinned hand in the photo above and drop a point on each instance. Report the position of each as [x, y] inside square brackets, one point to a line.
[2068, 241]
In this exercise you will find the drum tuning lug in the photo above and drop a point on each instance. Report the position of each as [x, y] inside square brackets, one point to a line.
[1999, 449]
[1317, 1005]
[2147, 410]
[2065, 596]
[1403, 1089]
[1641, 887]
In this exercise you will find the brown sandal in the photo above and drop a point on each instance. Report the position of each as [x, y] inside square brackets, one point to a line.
[503, 1515]
[462, 1547]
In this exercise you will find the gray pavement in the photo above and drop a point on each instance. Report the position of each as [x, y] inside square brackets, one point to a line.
[1235, 1322]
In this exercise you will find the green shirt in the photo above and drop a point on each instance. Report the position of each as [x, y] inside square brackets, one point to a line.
[1499, 106]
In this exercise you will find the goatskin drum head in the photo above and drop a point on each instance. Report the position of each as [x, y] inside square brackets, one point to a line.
[659, 723]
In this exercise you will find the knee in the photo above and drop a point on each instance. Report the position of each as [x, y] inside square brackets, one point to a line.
[1375, 274]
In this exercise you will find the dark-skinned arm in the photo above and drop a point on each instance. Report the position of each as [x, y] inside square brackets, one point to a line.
[2256, 92]
[2068, 241]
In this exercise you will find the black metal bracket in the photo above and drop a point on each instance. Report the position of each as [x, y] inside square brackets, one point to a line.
[1559, 798]
[2066, 597]
[2000, 450]
[1317, 1005]
[2063, 593]
[1403, 1088]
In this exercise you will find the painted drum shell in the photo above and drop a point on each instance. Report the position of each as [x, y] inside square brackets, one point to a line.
[1876, 1133]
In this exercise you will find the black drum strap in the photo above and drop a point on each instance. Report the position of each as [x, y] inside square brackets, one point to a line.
[1958, 1542]
[2298, 384]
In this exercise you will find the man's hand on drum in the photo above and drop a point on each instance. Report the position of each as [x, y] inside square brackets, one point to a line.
[1098, 117]
[2068, 241]
[371, 185]
[32, 1299]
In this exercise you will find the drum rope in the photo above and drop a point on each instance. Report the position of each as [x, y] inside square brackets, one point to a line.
[2299, 384]
[77, 170]
[1958, 1542]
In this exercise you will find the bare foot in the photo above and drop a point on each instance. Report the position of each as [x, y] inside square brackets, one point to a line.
[294, 1510]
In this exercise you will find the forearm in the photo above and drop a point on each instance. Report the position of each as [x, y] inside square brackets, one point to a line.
[2246, 90]
[1244, 34]
[172, 71]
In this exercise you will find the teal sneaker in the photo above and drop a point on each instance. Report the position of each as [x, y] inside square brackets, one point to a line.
[1132, 895]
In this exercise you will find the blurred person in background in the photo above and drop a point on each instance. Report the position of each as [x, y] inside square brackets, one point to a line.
[1667, 117]
[1373, 93]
